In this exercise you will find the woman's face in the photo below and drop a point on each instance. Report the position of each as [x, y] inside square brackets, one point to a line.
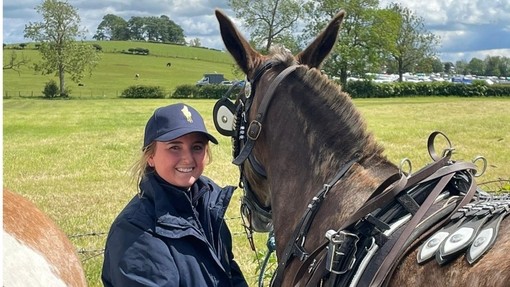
[180, 161]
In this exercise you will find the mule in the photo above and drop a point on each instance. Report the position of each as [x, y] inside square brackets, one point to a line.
[35, 251]
[303, 135]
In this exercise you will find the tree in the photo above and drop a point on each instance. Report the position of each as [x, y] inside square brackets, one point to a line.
[461, 67]
[413, 42]
[163, 30]
[112, 28]
[170, 32]
[268, 20]
[364, 39]
[504, 66]
[61, 53]
[14, 63]
[476, 66]
[136, 28]
[195, 42]
[429, 65]
[492, 66]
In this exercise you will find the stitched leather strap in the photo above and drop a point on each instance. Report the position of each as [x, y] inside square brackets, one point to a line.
[399, 249]
[255, 127]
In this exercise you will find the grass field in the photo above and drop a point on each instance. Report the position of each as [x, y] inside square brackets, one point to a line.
[72, 157]
[116, 71]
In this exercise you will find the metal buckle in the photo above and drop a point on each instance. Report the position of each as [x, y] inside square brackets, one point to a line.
[254, 130]
[337, 256]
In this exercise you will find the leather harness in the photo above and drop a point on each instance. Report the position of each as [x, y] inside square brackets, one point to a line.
[402, 204]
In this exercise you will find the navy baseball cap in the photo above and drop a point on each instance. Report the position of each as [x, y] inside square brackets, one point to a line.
[173, 121]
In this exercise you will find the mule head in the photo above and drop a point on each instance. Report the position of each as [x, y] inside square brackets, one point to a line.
[261, 70]
[248, 58]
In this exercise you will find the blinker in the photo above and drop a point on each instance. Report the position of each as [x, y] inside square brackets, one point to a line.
[223, 117]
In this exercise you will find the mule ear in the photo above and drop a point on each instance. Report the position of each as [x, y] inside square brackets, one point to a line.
[317, 51]
[235, 43]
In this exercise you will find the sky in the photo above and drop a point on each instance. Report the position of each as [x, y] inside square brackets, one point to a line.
[467, 28]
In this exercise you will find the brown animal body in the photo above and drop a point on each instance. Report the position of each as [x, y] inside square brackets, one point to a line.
[35, 251]
[310, 130]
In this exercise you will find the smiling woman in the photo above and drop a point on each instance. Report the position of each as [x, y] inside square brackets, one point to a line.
[173, 233]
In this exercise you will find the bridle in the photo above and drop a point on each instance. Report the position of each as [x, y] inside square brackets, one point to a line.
[244, 137]
[245, 134]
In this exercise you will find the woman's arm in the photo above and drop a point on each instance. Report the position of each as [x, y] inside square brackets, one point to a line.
[134, 257]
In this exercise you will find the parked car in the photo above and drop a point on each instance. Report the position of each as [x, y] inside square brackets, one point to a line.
[210, 79]
[227, 83]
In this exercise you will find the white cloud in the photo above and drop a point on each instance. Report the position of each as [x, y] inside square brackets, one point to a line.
[466, 27]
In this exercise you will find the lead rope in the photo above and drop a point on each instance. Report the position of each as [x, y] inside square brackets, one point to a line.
[271, 247]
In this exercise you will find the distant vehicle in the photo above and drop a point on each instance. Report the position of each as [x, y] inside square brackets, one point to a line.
[211, 79]
[383, 78]
[227, 83]
[462, 80]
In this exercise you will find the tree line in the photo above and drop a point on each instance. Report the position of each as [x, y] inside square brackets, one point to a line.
[372, 40]
[151, 29]
[497, 66]
[392, 39]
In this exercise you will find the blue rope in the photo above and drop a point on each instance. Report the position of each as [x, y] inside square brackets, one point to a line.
[271, 247]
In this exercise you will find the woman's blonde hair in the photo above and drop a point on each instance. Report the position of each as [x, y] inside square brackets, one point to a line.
[141, 167]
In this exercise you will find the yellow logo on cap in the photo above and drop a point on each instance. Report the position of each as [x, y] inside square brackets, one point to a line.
[187, 114]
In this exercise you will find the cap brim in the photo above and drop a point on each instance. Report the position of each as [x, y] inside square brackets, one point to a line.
[181, 132]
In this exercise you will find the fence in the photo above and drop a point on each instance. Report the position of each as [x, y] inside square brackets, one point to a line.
[82, 94]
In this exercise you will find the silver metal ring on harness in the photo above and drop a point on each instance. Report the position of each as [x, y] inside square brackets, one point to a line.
[484, 167]
[431, 146]
[402, 164]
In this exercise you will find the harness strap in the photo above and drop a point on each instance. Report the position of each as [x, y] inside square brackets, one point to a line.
[432, 171]
[292, 249]
[255, 126]
[403, 246]
[386, 265]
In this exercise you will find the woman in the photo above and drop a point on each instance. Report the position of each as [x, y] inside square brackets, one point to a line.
[173, 233]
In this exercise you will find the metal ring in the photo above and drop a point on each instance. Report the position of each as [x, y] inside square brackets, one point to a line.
[484, 168]
[432, 150]
[402, 164]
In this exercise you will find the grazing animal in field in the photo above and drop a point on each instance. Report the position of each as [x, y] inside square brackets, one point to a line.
[169, 64]
[35, 251]
[137, 76]
[315, 175]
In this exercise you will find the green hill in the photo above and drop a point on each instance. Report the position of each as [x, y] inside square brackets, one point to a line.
[116, 70]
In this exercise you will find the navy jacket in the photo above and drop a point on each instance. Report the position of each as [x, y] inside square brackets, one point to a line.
[164, 238]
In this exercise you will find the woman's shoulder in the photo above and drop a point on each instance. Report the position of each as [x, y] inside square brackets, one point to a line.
[213, 185]
[139, 211]
[218, 196]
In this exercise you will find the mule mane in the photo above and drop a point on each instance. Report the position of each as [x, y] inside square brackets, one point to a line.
[282, 55]
[328, 115]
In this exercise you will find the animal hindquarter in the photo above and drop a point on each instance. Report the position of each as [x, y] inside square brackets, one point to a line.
[36, 251]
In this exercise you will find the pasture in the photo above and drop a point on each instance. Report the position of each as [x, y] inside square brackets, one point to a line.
[116, 71]
[72, 158]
